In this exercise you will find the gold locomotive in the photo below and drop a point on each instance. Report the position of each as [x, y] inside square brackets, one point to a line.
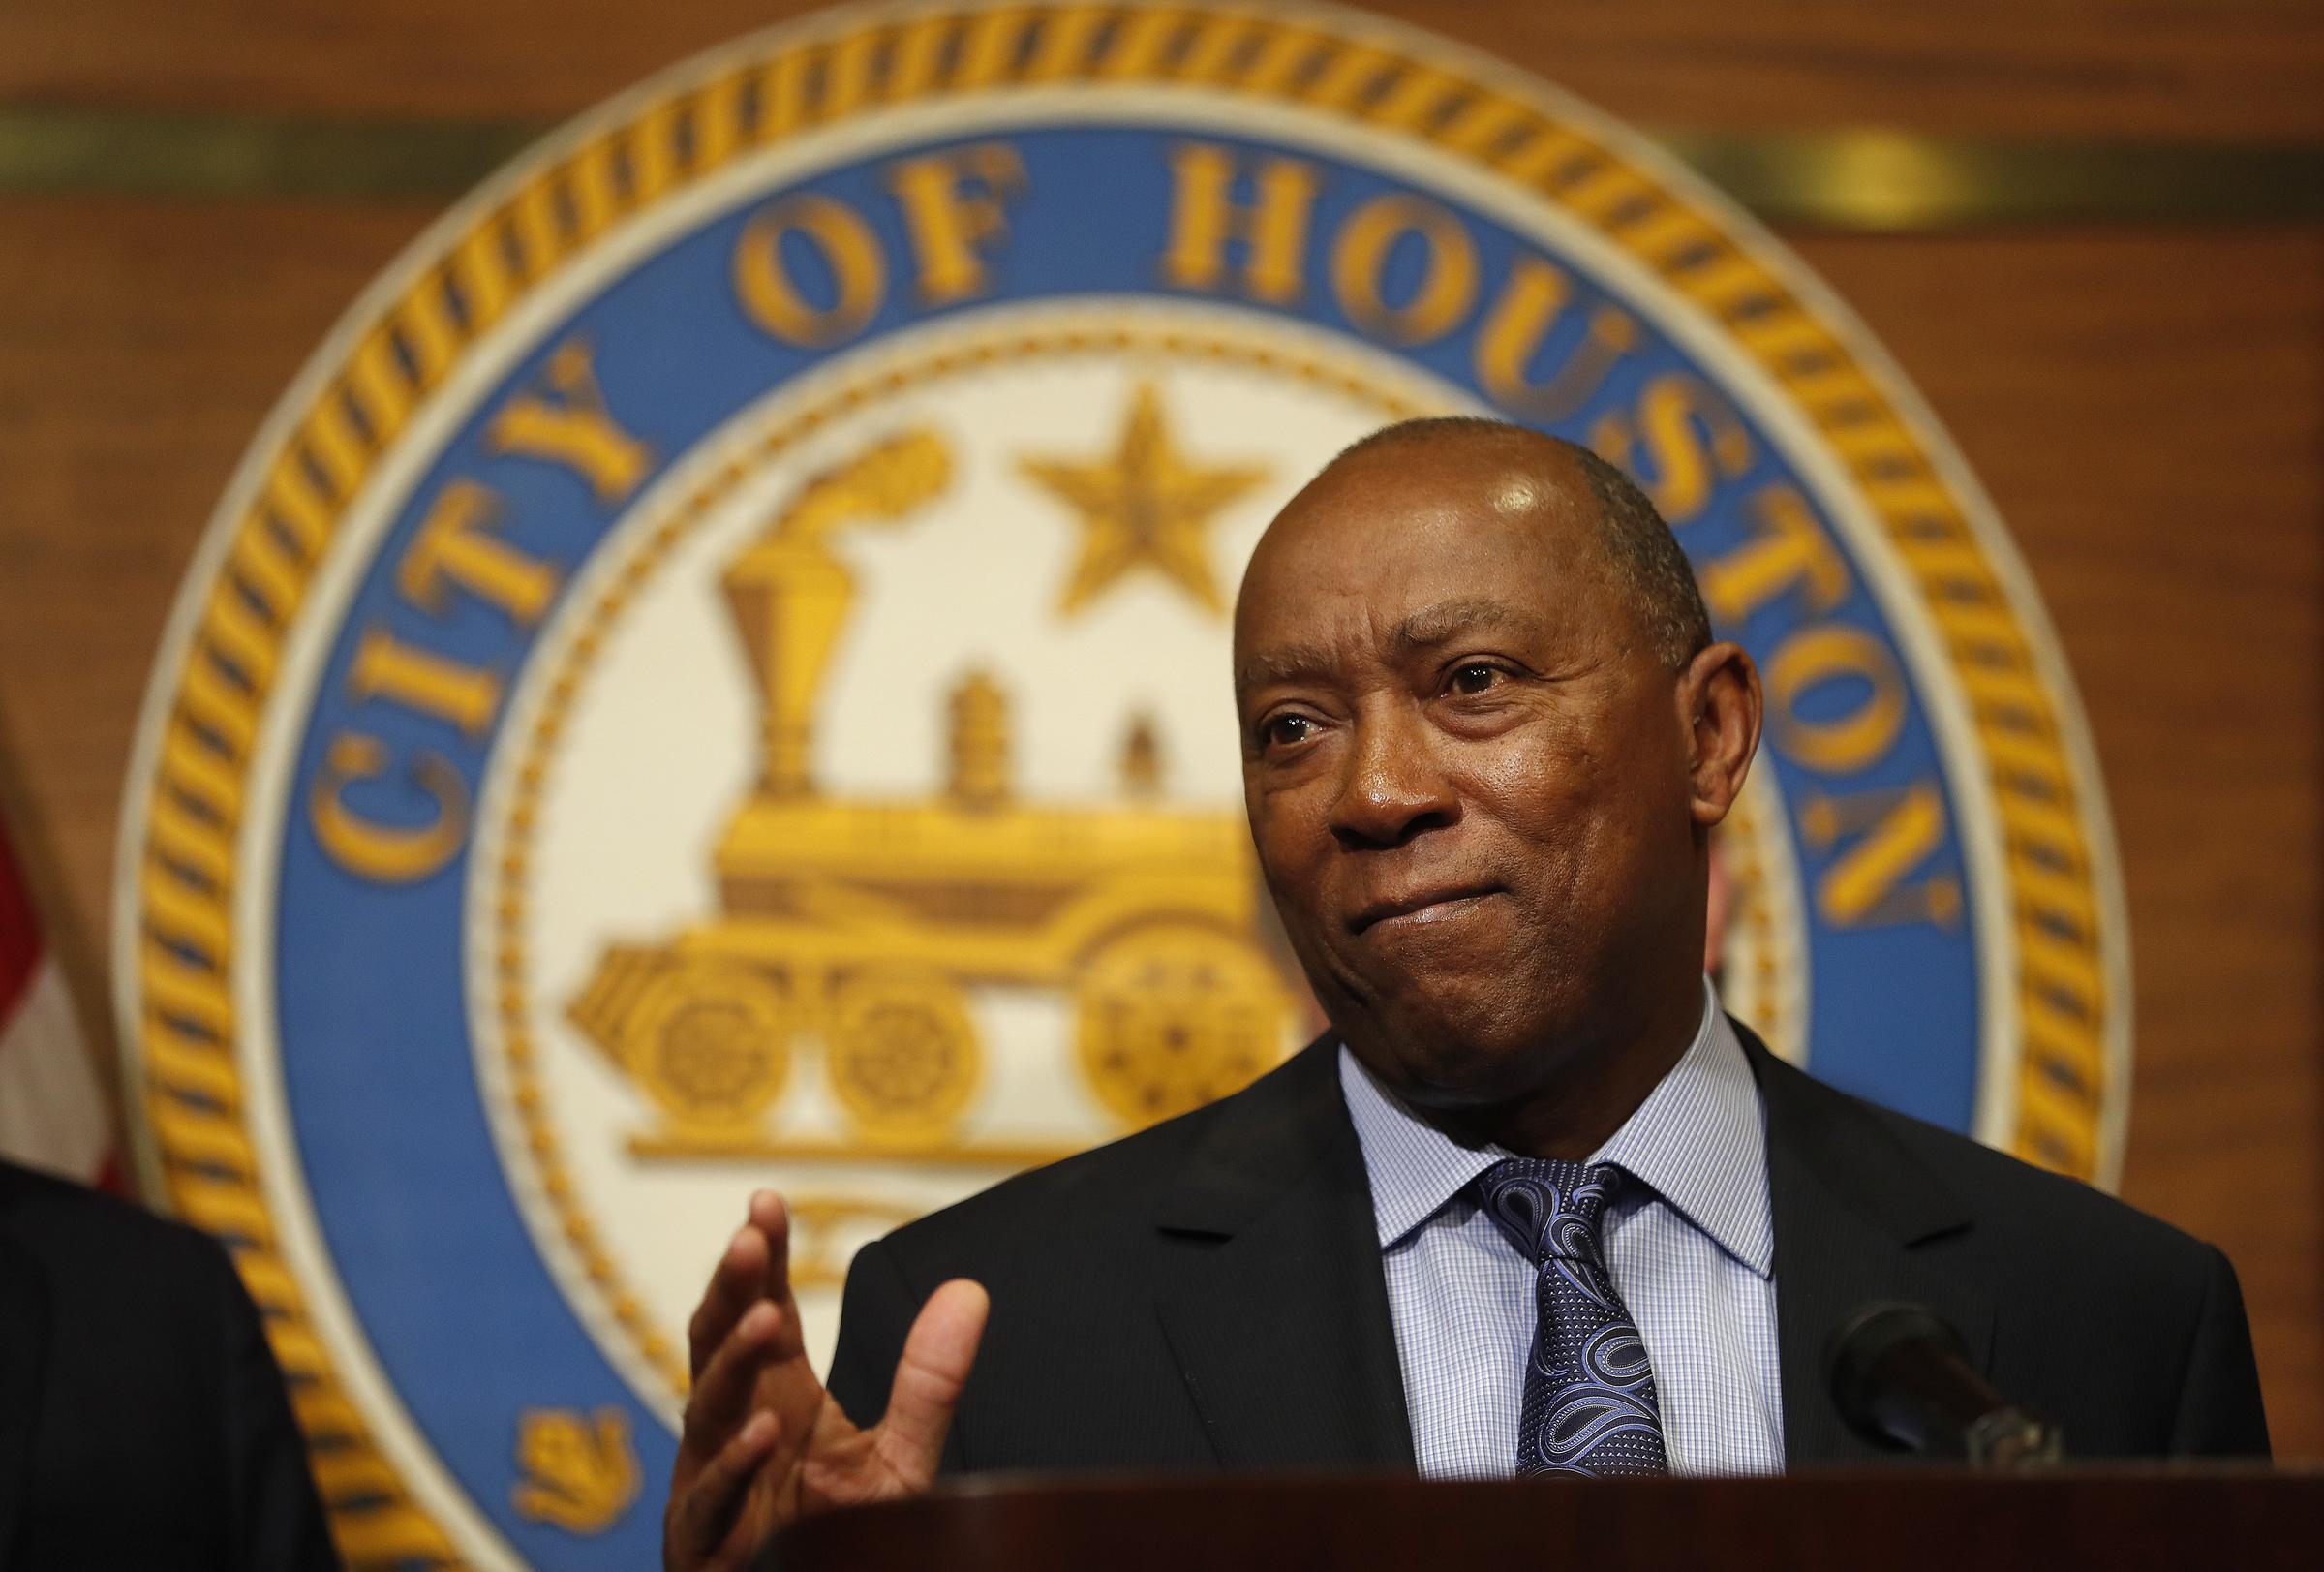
[850, 930]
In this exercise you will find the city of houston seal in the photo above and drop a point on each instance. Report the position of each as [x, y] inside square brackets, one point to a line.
[717, 675]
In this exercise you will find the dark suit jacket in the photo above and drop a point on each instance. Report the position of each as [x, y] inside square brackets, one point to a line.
[143, 1423]
[1209, 1293]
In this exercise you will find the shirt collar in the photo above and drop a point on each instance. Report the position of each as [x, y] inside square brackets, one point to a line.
[1698, 1140]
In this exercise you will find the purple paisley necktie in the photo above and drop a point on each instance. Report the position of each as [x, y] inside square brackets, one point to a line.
[1589, 1405]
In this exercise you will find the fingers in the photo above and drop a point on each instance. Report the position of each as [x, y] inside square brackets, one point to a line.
[938, 1353]
[772, 1218]
[722, 1396]
[758, 1415]
[755, 1266]
[704, 1518]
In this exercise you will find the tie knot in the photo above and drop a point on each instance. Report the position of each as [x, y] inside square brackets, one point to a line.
[1551, 1208]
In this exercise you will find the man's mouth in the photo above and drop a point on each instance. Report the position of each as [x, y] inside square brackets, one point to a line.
[1420, 906]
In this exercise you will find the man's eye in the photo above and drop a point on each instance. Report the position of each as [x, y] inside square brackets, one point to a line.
[1474, 678]
[1286, 730]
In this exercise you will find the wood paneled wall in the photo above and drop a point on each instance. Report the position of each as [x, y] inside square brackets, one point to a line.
[2147, 408]
[2117, 69]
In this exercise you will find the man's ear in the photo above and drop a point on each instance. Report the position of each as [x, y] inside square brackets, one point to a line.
[1720, 704]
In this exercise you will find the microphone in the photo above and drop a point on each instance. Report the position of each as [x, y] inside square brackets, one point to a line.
[1902, 1378]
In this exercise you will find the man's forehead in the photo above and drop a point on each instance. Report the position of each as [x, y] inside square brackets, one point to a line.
[1440, 620]
[1397, 546]
[1450, 510]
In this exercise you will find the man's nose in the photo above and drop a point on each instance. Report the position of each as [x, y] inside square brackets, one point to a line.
[1393, 786]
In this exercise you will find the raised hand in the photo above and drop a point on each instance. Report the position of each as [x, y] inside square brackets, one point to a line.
[764, 1443]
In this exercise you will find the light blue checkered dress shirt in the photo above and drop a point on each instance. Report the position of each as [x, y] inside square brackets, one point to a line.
[1692, 1249]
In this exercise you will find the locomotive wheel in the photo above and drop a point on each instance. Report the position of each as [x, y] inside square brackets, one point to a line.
[1176, 1015]
[711, 1044]
[903, 1055]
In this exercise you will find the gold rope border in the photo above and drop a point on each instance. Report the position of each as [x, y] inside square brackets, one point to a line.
[184, 1018]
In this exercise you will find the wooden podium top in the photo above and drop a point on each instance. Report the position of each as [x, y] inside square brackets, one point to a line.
[1901, 1519]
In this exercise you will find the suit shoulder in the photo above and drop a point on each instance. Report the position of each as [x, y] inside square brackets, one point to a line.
[1090, 1187]
[2060, 1215]
[1253, 1138]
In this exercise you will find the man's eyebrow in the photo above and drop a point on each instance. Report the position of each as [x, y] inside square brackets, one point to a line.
[1431, 625]
[1447, 620]
[1286, 663]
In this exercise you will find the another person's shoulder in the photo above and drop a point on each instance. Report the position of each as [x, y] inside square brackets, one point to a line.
[81, 1236]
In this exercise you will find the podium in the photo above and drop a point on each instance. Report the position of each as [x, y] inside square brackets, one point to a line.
[1902, 1519]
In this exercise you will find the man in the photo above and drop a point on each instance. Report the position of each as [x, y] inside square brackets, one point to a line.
[143, 1425]
[1532, 1203]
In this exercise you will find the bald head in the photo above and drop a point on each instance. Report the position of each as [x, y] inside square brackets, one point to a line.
[1514, 469]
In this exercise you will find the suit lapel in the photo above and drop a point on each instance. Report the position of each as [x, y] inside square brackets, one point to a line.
[1854, 1212]
[1280, 1325]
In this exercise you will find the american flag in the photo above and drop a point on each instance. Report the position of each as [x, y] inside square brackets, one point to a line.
[52, 1111]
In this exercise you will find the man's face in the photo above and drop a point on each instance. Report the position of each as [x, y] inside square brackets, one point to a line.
[1467, 772]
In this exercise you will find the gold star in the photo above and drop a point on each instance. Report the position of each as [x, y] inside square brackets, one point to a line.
[1146, 505]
